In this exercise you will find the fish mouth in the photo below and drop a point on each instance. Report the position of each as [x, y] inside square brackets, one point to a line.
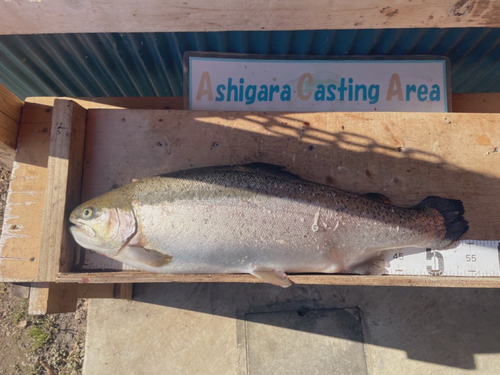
[81, 228]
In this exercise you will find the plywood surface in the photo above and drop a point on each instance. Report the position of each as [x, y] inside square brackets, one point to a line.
[59, 16]
[22, 226]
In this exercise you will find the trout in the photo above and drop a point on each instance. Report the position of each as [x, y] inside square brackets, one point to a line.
[258, 219]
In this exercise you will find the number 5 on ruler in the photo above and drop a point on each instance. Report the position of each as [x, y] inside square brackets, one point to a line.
[436, 268]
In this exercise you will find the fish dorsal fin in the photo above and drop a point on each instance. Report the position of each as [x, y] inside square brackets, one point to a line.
[380, 198]
[277, 278]
[270, 168]
[149, 257]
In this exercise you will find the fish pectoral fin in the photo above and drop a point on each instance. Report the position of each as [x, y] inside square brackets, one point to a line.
[146, 256]
[277, 278]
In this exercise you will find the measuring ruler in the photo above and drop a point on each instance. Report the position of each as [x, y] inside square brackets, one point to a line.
[469, 258]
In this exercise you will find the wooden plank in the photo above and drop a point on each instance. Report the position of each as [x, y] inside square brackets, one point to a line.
[118, 291]
[472, 103]
[52, 298]
[94, 16]
[476, 103]
[64, 180]
[10, 118]
[10, 105]
[147, 277]
[9, 128]
[8, 131]
[123, 291]
[116, 103]
[22, 226]
[96, 290]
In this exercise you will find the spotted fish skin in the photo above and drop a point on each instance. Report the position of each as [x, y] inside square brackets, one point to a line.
[260, 218]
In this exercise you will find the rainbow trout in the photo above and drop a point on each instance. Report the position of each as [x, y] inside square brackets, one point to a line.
[257, 219]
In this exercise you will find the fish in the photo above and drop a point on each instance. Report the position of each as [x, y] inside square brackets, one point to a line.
[258, 219]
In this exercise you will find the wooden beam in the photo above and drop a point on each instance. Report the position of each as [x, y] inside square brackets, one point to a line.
[176, 102]
[10, 105]
[96, 290]
[96, 16]
[123, 291]
[118, 291]
[472, 103]
[22, 226]
[64, 180]
[52, 298]
[10, 118]
[476, 103]
[147, 277]
[8, 131]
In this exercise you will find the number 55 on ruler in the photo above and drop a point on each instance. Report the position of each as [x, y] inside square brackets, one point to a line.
[469, 258]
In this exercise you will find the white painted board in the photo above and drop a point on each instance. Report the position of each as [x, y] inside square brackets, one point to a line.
[236, 83]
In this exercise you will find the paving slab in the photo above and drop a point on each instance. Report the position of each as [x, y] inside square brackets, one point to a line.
[315, 342]
[203, 328]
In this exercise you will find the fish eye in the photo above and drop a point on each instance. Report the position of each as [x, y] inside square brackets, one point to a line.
[88, 213]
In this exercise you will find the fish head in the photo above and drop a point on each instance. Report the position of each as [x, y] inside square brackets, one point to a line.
[104, 224]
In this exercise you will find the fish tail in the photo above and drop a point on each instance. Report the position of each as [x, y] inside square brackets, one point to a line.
[452, 211]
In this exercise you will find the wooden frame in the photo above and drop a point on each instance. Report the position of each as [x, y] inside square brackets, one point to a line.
[56, 254]
[65, 166]
[36, 143]
[92, 16]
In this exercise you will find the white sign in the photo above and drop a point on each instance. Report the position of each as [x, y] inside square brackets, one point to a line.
[236, 84]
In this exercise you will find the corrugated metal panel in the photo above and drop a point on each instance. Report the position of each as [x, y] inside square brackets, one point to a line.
[150, 64]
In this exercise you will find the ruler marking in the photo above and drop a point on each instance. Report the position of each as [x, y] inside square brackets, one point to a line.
[470, 258]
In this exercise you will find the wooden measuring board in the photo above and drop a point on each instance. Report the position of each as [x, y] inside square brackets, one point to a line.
[403, 156]
[470, 259]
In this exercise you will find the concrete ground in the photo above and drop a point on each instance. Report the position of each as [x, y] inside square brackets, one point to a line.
[262, 329]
